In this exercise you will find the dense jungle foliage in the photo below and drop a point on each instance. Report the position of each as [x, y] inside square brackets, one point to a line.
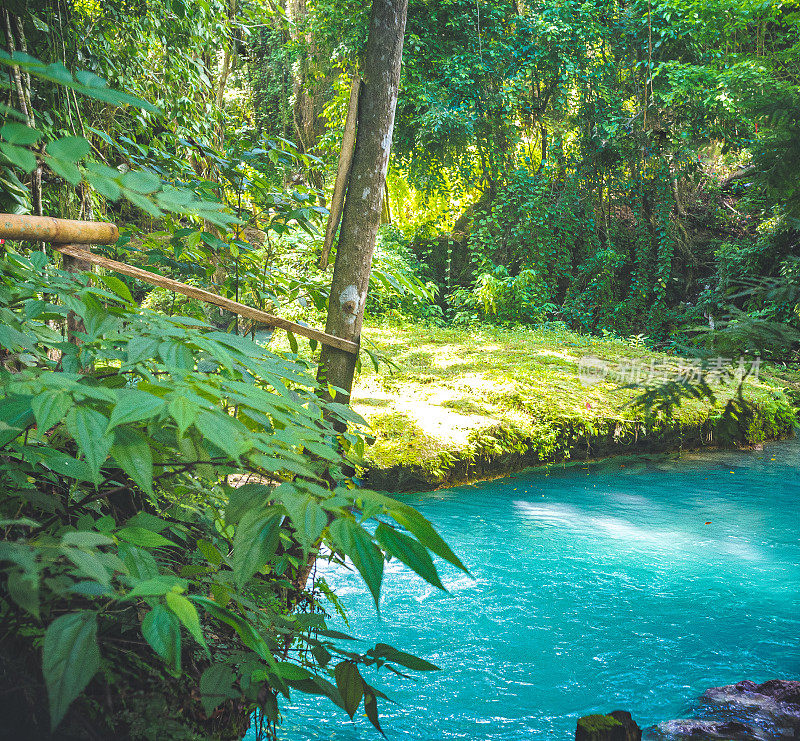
[619, 167]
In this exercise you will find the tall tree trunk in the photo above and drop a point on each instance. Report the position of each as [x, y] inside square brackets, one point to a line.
[362, 207]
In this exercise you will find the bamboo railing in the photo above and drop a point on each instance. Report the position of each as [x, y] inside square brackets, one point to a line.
[70, 238]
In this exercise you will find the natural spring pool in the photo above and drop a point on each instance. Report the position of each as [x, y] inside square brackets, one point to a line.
[626, 584]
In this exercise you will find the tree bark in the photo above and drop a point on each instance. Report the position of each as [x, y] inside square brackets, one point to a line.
[362, 208]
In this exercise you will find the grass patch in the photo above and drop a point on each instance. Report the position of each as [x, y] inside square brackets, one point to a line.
[470, 404]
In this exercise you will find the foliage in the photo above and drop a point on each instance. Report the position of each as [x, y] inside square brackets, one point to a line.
[120, 518]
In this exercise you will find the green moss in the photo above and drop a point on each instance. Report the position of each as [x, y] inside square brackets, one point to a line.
[597, 723]
[470, 405]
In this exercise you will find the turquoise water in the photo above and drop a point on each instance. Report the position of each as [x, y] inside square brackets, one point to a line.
[592, 588]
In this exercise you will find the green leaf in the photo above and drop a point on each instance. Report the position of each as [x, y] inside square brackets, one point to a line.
[223, 431]
[143, 537]
[50, 408]
[157, 586]
[106, 186]
[23, 588]
[307, 516]
[116, 286]
[350, 686]
[186, 612]
[139, 562]
[66, 169]
[246, 632]
[70, 148]
[70, 659]
[15, 416]
[141, 181]
[412, 553]
[184, 412]
[244, 498]
[210, 552]
[15, 133]
[216, 686]
[356, 543]
[24, 159]
[162, 631]
[414, 522]
[293, 672]
[88, 564]
[371, 709]
[131, 450]
[85, 539]
[384, 651]
[134, 406]
[12, 339]
[88, 428]
[254, 543]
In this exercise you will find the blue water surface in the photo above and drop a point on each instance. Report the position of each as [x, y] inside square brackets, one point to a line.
[631, 584]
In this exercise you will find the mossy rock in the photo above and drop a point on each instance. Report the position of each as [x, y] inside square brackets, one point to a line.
[616, 726]
[599, 728]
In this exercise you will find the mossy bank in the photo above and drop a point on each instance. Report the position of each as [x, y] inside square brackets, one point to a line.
[470, 404]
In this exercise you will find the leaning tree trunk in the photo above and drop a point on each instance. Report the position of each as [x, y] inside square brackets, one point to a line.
[362, 207]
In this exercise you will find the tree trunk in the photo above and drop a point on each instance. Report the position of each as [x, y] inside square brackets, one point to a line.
[362, 207]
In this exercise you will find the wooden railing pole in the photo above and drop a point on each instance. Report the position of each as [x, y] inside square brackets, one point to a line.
[57, 231]
[74, 322]
[71, 237]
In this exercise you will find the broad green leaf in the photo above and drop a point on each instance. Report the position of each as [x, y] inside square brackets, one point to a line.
[50, 408]
[66, 169]
[157, 586]
[88, 427]
[70, 659]
[89, 564]
[23, 588]
[414, 522]
[244, 498]
[384, 651]
[134, 406]
[131, 450]
[409, 551]
[254, 543]
[308, 518]
[350, 686]
[223, 431]
[210, 552]
[176, 355]
[186, 612]
[19, 157]
[356, 543]
[216, 686]
[162, 631]
[293, 672]
[70, 148]
[116, 286]
[15, 416]
[184, 412]
[15, 133]
[143, 537]
[103, 184]
[246, 632]
[139, 562]
[141, 181]
[14, 340]
[85, 539]
[371, 709]
[66, 465]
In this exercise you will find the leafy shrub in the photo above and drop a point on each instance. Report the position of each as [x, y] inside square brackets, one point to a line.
[133, 563]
